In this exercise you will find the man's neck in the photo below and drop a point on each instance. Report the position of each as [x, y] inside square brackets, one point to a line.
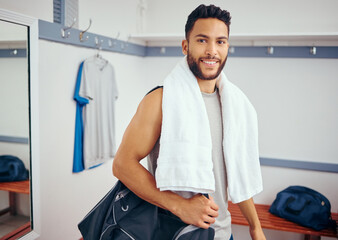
[207, 86]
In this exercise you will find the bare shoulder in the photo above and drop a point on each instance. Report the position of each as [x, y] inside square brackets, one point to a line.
[143, 130]
[151, 105]
[154, 97]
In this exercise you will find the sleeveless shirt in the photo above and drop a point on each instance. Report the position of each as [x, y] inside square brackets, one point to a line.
[222, 225]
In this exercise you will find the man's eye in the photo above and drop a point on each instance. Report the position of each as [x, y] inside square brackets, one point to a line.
[221, 42]
[201, 40]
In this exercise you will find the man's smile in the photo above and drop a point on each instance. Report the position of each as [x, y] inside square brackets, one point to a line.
[209, 62]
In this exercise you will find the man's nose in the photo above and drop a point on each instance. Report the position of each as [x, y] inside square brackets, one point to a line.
[211, 49]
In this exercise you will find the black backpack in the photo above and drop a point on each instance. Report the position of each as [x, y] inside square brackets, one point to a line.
[12, 169]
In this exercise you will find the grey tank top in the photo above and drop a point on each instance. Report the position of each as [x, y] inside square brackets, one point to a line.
[222, 225]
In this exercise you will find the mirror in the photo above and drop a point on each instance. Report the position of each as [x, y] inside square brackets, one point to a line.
[14, 128]
[19, 211]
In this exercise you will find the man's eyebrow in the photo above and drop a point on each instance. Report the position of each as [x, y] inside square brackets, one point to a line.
[206, 36]
[201, 35]
[223, 37]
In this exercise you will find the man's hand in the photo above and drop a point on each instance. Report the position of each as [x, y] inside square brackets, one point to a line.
[198, 210]
[257, 234]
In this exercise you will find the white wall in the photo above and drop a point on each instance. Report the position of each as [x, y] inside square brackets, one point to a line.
[110, 17]
[12, 32]
[14, 97]
[42, 9]
[296, 100]
[67, 197]
[248, 16]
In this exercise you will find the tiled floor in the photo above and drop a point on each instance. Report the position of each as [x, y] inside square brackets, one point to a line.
[9, 223]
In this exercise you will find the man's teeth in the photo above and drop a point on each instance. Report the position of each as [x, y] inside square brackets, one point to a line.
[209, 62]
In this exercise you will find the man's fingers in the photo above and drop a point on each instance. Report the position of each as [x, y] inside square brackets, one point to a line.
[204, 225]
[209, 219]
[212, 213]
[213, 204]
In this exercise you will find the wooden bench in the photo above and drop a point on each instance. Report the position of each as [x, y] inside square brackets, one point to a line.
[271, 221]
[13, 188]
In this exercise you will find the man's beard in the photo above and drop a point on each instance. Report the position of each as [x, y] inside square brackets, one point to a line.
[196, 70]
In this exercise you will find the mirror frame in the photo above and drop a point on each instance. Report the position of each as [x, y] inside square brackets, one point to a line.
[33, 38]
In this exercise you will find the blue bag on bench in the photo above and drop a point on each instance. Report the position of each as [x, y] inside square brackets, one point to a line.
[304, 206]
[12, 169]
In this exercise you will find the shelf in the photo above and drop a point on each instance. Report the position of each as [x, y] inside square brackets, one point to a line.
[275, 39]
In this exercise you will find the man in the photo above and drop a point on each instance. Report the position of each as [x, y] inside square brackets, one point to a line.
[206, 46]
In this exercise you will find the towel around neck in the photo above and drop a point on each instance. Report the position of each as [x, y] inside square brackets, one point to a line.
[185, 156]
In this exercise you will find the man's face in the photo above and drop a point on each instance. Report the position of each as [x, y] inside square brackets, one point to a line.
[207, 48]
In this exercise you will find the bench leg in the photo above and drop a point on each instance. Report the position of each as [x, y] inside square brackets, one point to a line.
[12, 203]
[311, 237]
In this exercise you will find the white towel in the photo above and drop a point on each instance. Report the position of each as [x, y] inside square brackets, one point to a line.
[185, 157]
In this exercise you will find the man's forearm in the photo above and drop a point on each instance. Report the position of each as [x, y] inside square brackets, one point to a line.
[248, 210]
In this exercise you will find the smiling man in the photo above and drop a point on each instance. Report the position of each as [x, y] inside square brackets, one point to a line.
[206, 47]
[200, 135]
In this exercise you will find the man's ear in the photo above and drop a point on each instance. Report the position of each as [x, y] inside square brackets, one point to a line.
[185, 47]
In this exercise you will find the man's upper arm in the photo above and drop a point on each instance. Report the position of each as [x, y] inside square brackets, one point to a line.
[144, 129]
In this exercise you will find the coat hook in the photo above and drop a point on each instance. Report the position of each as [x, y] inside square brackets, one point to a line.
[232, 50]
[63, 30]
[81, 33]
[270, 50]
[313, 50]
[125, 45]
[163, 50]
[112, 43]
[14, 52]
[98, 43]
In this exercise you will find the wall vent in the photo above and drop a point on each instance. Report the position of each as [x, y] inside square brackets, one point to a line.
[65, 11]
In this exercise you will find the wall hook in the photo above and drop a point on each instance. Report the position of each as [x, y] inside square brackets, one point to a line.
[113, 43]
[14, 52]
[81, 33]
[163, 50]
[98, 43]
[232, 50]
[270, 50]
[125, 45]
[313, 50]
[63, 30]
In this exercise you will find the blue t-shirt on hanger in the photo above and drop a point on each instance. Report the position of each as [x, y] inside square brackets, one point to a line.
[78, 164]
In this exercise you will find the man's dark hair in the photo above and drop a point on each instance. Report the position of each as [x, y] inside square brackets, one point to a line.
[203, 11]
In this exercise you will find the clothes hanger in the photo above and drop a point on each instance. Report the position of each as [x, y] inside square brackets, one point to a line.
[98, 43]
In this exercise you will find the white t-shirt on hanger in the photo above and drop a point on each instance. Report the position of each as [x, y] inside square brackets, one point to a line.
[99, 86]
